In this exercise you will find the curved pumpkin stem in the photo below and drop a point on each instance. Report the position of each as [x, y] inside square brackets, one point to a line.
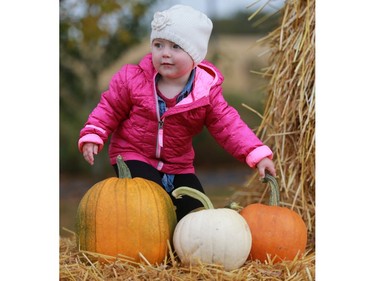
[184, 190]
[123, 170]
[275, 194]
[234, 206]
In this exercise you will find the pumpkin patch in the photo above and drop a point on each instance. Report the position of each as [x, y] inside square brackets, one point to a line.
[211, 236]
[276, 231]
[126, 216]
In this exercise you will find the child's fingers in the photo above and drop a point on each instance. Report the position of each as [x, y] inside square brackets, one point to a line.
[261, 172]
[272, 171]
[89, 157]
[96, 147]
[88, 153]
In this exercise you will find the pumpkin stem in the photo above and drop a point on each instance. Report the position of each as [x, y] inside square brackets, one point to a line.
[123, 170]
[184, 190]
[275, 194]
[234, 206]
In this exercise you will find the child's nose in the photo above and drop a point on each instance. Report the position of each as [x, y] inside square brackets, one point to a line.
[166, 52]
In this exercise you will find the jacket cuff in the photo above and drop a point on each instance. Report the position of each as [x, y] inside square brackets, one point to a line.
[93, 138]
[254, 157]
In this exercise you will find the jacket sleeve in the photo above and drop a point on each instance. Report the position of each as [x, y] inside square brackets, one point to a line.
[232, 133]
[112, 108]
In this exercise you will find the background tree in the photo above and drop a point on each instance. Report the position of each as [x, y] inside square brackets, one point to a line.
[239, 24]
[93, 34]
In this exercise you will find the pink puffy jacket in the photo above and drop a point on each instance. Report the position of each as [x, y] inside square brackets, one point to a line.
[129, 111]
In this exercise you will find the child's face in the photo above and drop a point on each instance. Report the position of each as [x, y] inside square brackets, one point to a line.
[170, 60]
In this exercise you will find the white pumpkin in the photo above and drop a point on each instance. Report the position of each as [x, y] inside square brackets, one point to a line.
[212, 236]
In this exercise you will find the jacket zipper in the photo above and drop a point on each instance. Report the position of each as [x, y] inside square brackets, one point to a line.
[159, 137]
[159, 140]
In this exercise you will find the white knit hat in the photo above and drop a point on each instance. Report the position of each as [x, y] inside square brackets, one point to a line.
[185, 26]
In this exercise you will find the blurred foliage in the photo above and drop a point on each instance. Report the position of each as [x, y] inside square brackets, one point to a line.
[240, 24]
[209, 151]
[93, 35]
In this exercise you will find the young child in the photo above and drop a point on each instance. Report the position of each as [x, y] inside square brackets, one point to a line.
[154, 109]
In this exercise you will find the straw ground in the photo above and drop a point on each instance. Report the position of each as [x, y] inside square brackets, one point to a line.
[81, 265]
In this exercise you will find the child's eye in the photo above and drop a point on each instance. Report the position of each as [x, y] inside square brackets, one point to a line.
[157, 45]
[175, 46]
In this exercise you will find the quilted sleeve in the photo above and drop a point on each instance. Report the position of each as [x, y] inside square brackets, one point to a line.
[113, 107]
[232, 133]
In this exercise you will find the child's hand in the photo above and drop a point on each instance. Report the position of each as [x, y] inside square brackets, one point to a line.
[88, 151]
[266, 164]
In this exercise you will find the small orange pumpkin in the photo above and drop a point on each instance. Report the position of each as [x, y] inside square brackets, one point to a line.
[126, 216]
[277, 231]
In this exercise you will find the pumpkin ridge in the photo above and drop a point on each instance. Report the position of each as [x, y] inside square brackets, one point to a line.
[139, 189]
[92, 240]
[126, 215]
[148, 251]
[95, 192]
[96, 196]
[225, 246]
[82, 212]
[113, 191]
[99, 199]
[212, 242]
[171, 216]
[159, 205]
[193, 251]
[123, 217]
[89, 240]
[84, 244]
[117, 216]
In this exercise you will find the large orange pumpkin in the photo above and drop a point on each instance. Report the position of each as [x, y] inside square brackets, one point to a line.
[126, 216]
[277, 231]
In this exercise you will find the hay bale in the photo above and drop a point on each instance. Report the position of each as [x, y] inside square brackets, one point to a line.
[288, 122]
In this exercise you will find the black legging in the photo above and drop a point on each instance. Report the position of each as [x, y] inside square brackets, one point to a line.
[183, 205]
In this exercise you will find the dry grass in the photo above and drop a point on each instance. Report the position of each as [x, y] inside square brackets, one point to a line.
[80, 265]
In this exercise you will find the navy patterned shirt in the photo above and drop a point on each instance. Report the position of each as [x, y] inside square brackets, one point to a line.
[184, 93]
